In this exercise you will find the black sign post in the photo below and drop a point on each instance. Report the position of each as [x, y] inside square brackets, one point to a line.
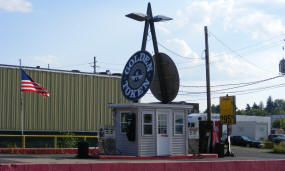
[161, 72]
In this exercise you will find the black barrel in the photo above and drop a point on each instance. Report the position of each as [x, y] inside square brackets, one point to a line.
[83, 149]
[220, 149]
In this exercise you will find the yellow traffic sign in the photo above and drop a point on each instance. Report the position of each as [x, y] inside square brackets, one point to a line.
[227, 110]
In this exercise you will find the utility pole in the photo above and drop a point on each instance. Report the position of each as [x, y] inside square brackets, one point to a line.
[21, 101]
[207, 74]
[208, 86]
[94, 64]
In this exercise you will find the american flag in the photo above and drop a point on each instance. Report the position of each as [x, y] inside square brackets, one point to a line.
[28, 84]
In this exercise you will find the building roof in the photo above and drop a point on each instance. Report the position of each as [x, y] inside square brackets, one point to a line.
[100, 74]
[151, 105]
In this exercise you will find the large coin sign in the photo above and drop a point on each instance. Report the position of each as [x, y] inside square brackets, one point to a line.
[165, 84]
[137, 75]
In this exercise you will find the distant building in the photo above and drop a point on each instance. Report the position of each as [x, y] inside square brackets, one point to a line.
[78, 101]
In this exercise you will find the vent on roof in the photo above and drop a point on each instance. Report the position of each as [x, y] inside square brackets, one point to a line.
[117, 74]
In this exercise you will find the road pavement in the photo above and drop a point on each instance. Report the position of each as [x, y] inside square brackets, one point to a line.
[240, 153]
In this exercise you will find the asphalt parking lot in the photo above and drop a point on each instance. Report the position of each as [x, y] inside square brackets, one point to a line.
[246, 153]
[240, 153]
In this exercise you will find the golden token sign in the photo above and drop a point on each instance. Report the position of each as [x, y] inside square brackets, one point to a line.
[227, 110]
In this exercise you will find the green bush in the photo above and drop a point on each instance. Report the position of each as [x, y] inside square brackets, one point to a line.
[267, 144]
[70, 142]
[279, 148]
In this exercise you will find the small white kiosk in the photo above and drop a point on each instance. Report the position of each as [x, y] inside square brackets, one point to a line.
[151, 129]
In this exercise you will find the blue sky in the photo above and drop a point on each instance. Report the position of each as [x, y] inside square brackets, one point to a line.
[245, 40]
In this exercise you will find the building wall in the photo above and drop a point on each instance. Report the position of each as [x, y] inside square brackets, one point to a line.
[78, 101]
[147, 143]
[123, 145]
[179, 142]
[261, 131]
[246, 128]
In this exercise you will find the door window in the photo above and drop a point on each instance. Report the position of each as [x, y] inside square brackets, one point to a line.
[162, 124]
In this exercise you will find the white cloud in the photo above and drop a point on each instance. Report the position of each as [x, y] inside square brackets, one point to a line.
[181, 19]
[261, 2]
[15, 5]
[259, 24]
[45, 60]
[163, 29]
[233, 66]
[202, 13]
[237, 16]
[181, 47]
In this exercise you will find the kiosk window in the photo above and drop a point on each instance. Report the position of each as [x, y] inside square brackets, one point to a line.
[147, 124]
[179, 123]
[124, 122]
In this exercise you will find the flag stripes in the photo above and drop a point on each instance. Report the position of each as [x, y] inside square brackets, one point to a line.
[28, 84]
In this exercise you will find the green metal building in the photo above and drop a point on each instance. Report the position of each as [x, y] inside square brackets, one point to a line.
[78, 101]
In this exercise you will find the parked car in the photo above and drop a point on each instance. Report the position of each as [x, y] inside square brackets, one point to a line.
[245, 141]
[278, 139]
[271, 136]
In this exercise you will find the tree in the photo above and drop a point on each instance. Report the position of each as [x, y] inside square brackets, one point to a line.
[257, 112]
[254, 106]
[280, 104]
[269, 105]
[241, 112]
[276, 123]
[247, 108]
[278, 111]
[214, 109]
[261, 105]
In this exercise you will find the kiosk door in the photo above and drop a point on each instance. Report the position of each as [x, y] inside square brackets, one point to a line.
[163, 133]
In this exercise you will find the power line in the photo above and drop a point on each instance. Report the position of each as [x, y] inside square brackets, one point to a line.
[220, 92]
[225, 45]
[274, 44]
[181, 56]
[223, 53]
[261, 42]
[245, 93]
[244, 83]
[262, 48]
[249, 90]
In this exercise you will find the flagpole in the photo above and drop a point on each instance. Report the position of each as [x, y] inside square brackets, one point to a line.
[21, 102]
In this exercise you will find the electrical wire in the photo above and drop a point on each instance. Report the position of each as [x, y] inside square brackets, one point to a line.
[221, 92]
[263, 47]
[244, 93]
[181, 56]
[225, 45]
[244, 83]
[261, 42]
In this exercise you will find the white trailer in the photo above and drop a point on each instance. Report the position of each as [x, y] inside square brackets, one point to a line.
[255, 127]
